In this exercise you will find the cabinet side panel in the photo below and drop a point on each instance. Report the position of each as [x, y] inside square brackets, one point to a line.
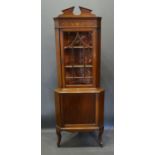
[58, 57]
[95, 70]
[57, 109]
[78, 108]
[98, 53]
[101, 109]
[97, 56]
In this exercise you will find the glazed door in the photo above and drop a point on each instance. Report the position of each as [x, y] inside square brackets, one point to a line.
[78, 58]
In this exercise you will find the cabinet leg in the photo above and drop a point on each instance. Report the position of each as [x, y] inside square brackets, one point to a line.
[100, 136]
[59, 137]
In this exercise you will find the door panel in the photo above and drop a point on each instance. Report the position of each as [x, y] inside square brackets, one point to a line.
[78, 108]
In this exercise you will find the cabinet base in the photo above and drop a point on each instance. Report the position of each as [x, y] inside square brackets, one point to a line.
[100, 133]
[79, 110]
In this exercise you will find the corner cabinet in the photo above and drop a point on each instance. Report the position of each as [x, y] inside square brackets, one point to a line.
[79, 102]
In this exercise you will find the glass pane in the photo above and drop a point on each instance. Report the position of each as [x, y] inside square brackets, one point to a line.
[78, 62]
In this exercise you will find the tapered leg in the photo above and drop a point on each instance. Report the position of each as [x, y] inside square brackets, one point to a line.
[100, 136]
[59, 137]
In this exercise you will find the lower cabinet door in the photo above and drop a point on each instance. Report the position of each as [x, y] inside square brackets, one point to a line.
[78, 108]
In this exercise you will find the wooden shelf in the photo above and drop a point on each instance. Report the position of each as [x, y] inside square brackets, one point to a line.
[79, 90]
[81, 47]
[79, 85]
[77, 66]
[81, 77]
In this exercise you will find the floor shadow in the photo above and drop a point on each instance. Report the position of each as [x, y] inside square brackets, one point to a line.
[80, 140]
[89, 139]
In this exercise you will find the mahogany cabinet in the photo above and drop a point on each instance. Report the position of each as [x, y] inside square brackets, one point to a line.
[79, 100]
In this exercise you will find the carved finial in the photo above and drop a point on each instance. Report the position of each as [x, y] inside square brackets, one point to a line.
[68, 11]
[85, 10]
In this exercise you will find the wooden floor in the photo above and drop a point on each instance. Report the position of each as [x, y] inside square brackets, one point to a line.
[77, 143]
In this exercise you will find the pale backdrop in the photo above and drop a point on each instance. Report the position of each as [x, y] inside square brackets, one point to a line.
[50, 9]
